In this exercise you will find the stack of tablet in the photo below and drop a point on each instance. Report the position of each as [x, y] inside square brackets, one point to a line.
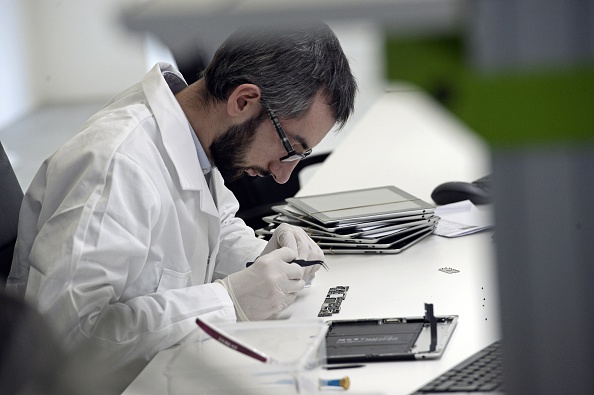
[374, 220]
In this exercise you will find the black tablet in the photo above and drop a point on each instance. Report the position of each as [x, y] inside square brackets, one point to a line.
[389, 339]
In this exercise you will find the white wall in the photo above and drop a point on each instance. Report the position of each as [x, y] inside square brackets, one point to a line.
[61, 51]
[17, 94]
[83, 50]
[363, 43]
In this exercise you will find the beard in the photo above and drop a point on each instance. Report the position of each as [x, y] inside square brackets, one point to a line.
[230, 149]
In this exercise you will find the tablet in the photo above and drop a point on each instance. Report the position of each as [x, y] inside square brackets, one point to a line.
[388, 235]
[280, 218]
[269, 229]
[362, 204]
[374, 234]
[396, 248]
[346, 227]
[382, 243]
[389, 339]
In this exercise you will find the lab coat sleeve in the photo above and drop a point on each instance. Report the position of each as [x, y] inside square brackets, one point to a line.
[238, 243]
[93, 248]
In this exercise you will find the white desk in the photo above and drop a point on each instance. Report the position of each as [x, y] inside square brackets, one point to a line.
[408, 141]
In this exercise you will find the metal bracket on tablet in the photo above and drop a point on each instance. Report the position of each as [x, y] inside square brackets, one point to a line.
[432, 321]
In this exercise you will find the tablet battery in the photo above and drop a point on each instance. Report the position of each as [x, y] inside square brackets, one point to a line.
[371, 340]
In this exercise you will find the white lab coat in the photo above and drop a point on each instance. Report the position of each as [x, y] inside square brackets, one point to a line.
[120, 237]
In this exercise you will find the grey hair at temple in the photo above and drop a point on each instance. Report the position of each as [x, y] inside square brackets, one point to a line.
[289, 65]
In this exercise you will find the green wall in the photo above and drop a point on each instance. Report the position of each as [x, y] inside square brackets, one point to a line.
[516, 107]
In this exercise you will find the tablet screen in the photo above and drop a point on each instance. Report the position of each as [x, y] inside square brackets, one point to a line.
[363, 203]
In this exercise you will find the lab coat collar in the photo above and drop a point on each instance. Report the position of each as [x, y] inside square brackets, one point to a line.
[175, 130]
[173, 124]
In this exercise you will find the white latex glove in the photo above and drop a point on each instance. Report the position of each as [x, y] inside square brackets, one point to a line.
[266, 287]
[296, 239]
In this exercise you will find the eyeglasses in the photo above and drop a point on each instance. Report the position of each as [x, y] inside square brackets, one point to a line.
[292, 155]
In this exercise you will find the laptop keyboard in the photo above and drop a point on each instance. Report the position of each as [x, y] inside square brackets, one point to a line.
[481, 372]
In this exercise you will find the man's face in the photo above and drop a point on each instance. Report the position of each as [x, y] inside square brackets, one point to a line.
[254, 147]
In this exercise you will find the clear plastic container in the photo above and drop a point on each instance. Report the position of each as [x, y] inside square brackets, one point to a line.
[202, 365]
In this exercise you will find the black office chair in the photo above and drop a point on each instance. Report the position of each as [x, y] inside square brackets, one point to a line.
[11, 197]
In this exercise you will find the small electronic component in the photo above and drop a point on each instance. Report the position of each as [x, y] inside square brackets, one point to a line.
[449, 270]
[334, 298]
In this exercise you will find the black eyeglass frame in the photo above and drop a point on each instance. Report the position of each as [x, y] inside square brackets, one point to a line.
[292, 155]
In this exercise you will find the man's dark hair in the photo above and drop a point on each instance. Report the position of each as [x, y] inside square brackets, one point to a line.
[290, 66]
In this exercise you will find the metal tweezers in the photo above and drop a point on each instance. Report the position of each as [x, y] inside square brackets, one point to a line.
[301, 262]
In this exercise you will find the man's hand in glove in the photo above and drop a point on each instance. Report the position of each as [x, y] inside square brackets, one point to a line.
[267, 286]
[296, 239]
